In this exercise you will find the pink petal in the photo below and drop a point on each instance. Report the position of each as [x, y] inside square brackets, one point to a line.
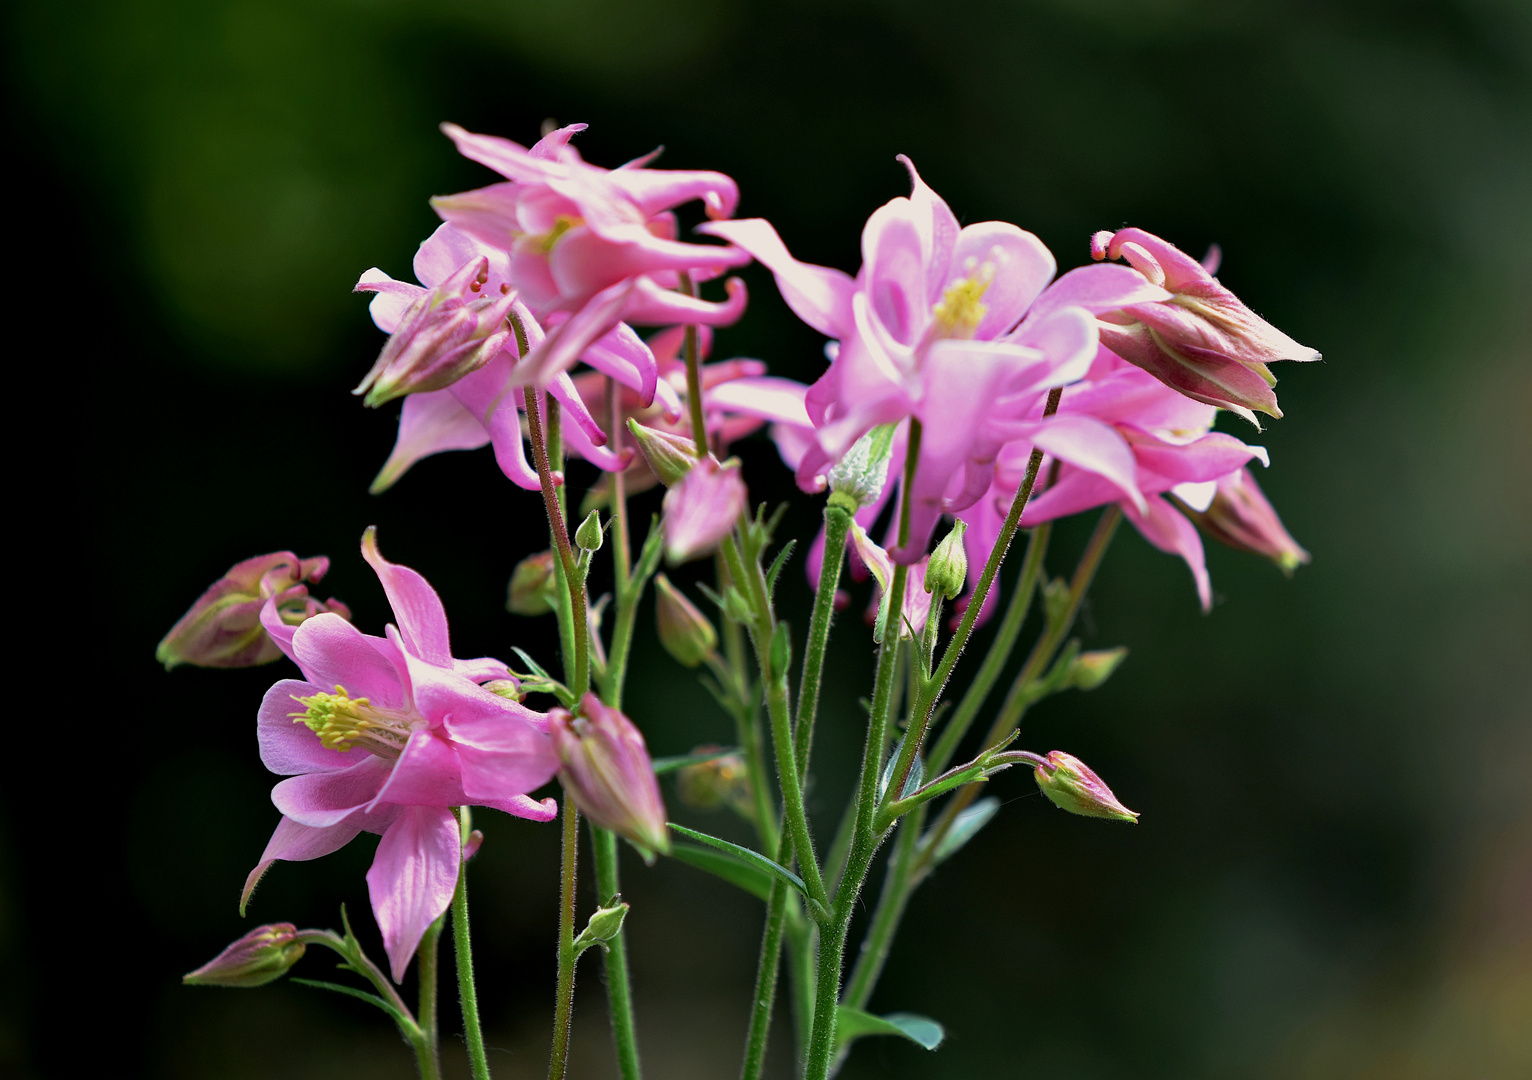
[429, 423]
[509, 159]
[293, 842]
[818, 295]
[651, 305]
[1088, 444]
[1021, 266]
[524, 806]
[487, 395]
[768, 397]
[622, 354]
[655, 190]
[287, 747]
[328, 798]
[1068, 338]
[1168, 529]
[426, 774]
[1098, 289]
[412, 879]
[393, 298]
[331, 651]
[449, 248]
[938, 228]
[418, 610]
[894, 253]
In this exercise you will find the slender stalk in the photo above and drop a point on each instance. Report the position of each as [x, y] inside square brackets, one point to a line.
[428, 955]
[619, 994]
[579, 681]
[734, 676]
[563, 1002]
[837, 524]
[885, 918]
[467, 996]
[920, 710]
[694, 375]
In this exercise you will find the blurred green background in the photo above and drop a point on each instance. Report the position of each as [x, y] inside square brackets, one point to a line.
[1333, 876]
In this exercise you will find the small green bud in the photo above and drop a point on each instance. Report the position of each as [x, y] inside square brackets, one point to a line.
[781, 651]
[1055, 600]
[1091, 669]
[531, 584]
[261, 956]
[684, 631]
[947, 572]
[1071, 785]
[863, 470]
[588, 535]
[604, 925]
[509, 689]
[736, 608]
[670, 457]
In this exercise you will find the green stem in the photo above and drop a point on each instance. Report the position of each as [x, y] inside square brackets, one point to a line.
[563, 1004]
[837, 524]
[463, 951]
[574, 580]
[619, 994]
[694, 376]
[885, 919]
[734, 676]
[428, 955]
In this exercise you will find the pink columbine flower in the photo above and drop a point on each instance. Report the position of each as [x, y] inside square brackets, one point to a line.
[916, 608]
[1203, 340]
[386, 735]
[1240, 516]
[605, 767]
[948, 325]
[223, 628]
[702, 509]
[590, 247]
[476, 408]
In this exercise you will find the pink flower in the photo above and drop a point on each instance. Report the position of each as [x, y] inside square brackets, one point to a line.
[916, 608]
[703, 508]
[605, 768]
[223, 628]
[950, 326]
[386, 734]
[476, 408]
[590, 246]
[1203, 340]
[1240, 516]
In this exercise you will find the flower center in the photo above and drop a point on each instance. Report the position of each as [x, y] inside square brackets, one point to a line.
[342, 722]
[560, 227]
[960, 310]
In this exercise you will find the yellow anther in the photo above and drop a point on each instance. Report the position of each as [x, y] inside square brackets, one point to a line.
[960, 310]
[342, 721]
[560, 227]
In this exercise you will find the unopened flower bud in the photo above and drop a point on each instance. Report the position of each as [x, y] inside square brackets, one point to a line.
[863, 470]
[1090, 669]
[509, 689]
[223, 628]
[1071, 785]
[605, 924]
[447, 332]
[1241, 517]
[702, 509]
[1055, 600]
[669, 456]
[947, 572]
[531, 583]
[261, 956]
[605, 768]
[588, 536]
[685, 632]
[709, 784]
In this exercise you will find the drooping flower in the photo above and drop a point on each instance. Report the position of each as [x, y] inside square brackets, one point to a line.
[605, 767]
[684, 631]
[223, 628]
[1241, 517]
[386, 735]
[590, 247]
[1202, 340]
[703, 508]
[950, 326]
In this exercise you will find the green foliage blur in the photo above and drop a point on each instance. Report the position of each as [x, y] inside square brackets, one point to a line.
[1332, 877]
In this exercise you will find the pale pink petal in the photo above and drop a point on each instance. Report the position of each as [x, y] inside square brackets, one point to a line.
[417, 609]
[486, 394]
[768, 397]
[331, 651]
[1068, 338]
[1208, 458]
[818, 295]
[482, 669]
[429, 423]
[1168, 529]
[524, 806]
[293, 842]
[509, 159]
[280, 632]
[894, 253]
[939, 231]
[623, 355]
[426, 774]
[287, 746]
[654, 190]
[583, 262]
[412, 879]
[328, 798]
[449, 248]
[1087, 443]
[1019, 264]
[1098, 289]
[651, 305]
[393, 298]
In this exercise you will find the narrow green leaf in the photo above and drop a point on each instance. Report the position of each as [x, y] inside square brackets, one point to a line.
[361, 995]
[745, 855]
[532, 665]
[696, 757]
[965, 826]
[854, 1023]
[755, 882]
[777, 564]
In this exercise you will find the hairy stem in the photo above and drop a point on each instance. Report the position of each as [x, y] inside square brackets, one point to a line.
[428, 955]
[563, 1002]
[579, 680]
[694, 376]
[467, 995]
[619, 994]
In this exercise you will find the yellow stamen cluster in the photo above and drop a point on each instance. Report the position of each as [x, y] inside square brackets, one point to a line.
[560, 227]
[342, 722]
[958, 313]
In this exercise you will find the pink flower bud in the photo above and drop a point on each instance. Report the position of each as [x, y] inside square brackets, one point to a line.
[669, 456]
[223, 628]
[261, 956]
[446, 333]
[605, 768]
[1071, 785]
[702, 509]
[1240, 516]
[684, 631]
[1203, 341]
[531, 585]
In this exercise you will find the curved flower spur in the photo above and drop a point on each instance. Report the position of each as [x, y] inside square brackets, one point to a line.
[386, 735]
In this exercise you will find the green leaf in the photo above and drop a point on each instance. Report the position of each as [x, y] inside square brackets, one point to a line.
[361, 995]
[696, 757]
[745, 855]
[854, 1023]
[755, 882]
[777, 564]
[965, 826]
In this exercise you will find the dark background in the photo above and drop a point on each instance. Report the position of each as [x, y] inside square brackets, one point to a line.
[1333, 875]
